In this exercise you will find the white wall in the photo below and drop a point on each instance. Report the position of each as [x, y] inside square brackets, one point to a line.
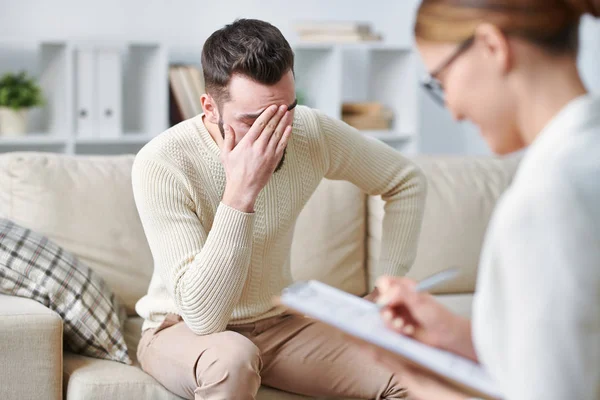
[589, 60]
[183, 25]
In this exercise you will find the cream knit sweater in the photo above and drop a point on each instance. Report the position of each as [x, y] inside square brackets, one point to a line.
[215, 265]
[536, 324]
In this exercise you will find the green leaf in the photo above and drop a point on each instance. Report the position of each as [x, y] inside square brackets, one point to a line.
[18, 90]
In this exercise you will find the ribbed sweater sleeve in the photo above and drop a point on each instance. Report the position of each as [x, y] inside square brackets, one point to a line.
[204, 270]
[379, 170]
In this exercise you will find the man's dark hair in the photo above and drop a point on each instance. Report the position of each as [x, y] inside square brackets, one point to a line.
[249, 47]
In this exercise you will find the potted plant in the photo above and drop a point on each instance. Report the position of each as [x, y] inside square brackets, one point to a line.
[18, 93]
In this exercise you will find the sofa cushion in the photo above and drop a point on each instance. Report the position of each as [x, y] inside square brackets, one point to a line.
[329, 240]
[90, 379]
[33, 267]
[93, 379]
[461, 195]
[85, 205]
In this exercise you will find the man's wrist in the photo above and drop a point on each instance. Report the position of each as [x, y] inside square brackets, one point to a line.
[241, 202]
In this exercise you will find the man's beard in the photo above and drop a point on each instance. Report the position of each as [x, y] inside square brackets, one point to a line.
[279, 166]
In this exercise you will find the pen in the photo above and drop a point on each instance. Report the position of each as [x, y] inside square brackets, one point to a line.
[437, 279]
[432, 281]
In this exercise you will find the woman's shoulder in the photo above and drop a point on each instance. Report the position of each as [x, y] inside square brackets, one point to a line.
[569, 170]
[577, 166]
[562, 195]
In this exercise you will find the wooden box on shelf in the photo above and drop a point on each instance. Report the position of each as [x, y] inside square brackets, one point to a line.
[367, 115]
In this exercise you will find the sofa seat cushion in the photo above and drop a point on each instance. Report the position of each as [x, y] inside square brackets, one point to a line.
[88, 378]
[94, 379]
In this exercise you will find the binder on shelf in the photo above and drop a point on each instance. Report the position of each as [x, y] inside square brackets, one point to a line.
[85, 84]
[108, 89]
[98, 81]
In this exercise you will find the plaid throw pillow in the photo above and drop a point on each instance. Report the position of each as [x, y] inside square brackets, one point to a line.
[32, 266]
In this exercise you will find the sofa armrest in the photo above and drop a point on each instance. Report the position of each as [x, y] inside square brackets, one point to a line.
[30, 350]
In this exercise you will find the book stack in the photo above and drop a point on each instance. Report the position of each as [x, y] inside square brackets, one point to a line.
[335, 32]
[186, 86]
[367, 116]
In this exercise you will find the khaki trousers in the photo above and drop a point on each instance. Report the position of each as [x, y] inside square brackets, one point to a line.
[288, 352]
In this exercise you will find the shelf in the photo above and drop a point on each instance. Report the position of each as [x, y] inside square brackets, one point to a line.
[31, 140]
[387, 135]
[319, 78]
[392, 81]
[145, 88]
[327, 75]
[125, 139]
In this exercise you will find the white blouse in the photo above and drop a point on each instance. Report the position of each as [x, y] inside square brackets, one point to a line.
[536, 317]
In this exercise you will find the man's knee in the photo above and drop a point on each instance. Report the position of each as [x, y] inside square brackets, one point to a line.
[233, 366]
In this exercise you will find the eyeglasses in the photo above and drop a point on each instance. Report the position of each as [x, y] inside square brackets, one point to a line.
[432, 84]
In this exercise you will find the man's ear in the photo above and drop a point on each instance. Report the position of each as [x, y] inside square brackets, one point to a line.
[211, 111]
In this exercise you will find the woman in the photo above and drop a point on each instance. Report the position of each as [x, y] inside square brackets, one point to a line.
[509, 66]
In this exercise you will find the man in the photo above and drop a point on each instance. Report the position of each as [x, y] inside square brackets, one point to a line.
[218, 196]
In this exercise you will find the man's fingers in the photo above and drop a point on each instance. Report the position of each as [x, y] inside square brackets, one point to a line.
[279, 131]
[283, 142]
[229, 143]
[276, 123]
[259, 125]
[265, 136]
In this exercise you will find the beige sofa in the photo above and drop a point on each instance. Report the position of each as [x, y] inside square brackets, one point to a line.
[85, 204]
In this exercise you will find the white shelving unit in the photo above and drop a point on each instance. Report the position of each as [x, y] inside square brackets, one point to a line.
[146, 96]
[327, 74]
[143, 96]
[331, 74]
[318, 77]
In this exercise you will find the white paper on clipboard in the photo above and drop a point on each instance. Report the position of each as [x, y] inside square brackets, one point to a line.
[360, 318]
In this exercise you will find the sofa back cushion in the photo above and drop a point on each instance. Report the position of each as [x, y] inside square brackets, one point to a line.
[462, 193]
[330, 236]
[85, 205]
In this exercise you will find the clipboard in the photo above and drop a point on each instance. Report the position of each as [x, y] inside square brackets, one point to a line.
[360, 319]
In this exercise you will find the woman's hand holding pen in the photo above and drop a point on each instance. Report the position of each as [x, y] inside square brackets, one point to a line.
[419, 315]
